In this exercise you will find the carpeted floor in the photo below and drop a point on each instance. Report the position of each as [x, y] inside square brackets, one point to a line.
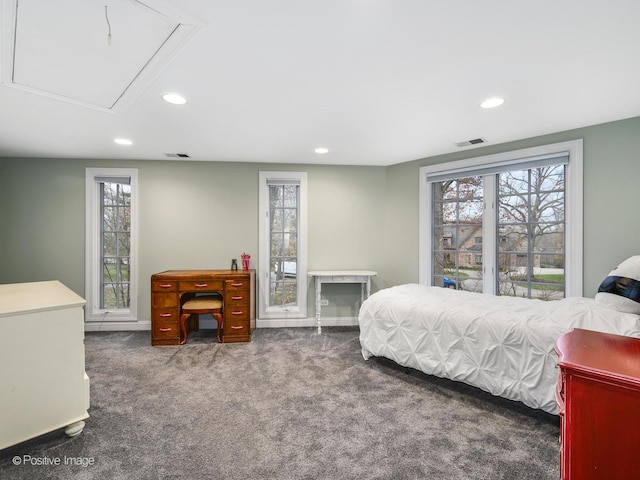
[289, 405]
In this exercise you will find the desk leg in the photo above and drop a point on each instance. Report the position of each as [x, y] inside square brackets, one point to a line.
[365, 290]
[318, 303]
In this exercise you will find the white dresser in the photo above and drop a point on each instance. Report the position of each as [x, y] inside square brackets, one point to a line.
[43, 385]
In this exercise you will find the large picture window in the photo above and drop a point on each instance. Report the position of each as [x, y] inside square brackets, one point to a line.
[505, 224]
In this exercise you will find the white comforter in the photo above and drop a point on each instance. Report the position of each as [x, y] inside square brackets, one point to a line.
[503, 345]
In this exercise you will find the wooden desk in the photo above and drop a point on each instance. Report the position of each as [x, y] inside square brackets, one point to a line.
[170, 289]
[599, 397]
[340, 276]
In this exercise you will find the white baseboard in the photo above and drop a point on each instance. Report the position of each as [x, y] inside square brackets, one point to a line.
[305, 322]
[290, 322]
[113, 326]
[211, 324]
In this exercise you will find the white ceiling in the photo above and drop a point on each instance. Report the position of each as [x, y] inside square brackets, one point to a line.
[377, 82]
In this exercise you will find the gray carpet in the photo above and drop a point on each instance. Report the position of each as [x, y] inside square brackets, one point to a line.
[289, 405]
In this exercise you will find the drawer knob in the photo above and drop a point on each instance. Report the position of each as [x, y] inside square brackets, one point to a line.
[165, 314]
[237, 284]
[165, 285]
[236, 297]
[201, 285]
[236, 327]
[165, 329]
[237, 313]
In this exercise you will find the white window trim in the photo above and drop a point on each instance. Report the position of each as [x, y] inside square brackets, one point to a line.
[573, 210]
[279, 312]
[92, 247]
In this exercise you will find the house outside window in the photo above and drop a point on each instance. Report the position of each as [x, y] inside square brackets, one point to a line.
[515, 220]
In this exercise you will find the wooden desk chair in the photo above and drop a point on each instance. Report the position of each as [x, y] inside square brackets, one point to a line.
[201, 305]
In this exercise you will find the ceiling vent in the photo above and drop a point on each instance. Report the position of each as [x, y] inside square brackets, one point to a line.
[466, 143]
[177, 155]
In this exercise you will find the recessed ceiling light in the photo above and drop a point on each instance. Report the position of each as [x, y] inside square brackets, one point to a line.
[174, 98]
[123, 141]
[321, 150]
[492, 102]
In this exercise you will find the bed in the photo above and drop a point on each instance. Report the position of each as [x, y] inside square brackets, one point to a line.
[503, 345]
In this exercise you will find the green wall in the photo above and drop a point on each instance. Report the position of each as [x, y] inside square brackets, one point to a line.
[191, 215]
[611, 172]
[202, 214]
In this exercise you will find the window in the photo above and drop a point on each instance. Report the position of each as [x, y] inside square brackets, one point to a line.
[282, 245]
[530, 216]
[111, 203]
[457, 220]
[514, 221]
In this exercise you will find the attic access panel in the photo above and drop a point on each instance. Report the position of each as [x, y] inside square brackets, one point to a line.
[97, 54]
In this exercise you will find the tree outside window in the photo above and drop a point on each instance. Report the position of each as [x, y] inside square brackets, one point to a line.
[115, 244]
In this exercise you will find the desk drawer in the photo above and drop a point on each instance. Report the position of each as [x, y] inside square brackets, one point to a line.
[235, 299]
[236, 327]
[166, 314]
[163, 300]
[160, 286]
[232, 314]
[165, 327]
[345, 279]
[236, 285]
[202, 285]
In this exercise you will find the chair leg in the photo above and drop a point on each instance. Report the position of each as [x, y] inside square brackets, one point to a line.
[218, 317]
[183, 318]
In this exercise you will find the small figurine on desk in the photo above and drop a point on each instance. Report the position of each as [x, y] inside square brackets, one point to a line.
[234, 264]
[245, 261]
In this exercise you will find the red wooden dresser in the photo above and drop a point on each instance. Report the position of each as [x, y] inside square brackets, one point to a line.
[599, 396]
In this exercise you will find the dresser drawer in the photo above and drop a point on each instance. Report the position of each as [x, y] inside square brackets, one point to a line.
[165, 299]
[202, 285]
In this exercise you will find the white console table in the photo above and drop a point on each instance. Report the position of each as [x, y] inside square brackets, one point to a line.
[340, 276]
[43, 384]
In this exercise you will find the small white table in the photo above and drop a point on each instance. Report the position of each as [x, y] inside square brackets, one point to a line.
[340, 276]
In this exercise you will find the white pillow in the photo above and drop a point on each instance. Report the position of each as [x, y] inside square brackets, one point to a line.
[621, 289]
